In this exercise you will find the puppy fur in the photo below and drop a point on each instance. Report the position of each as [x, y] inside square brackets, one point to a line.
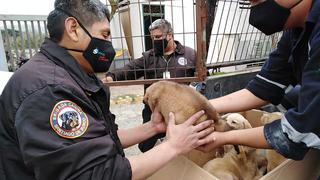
[245, 164]
[237, 166]
[183, 101]
[180, 99]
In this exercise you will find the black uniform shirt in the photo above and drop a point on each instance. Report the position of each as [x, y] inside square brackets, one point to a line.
[55, 123]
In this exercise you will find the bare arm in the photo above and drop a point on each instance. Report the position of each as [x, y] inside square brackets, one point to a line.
[253, 137]
[180, 139]
[132, 136]
[238, 101]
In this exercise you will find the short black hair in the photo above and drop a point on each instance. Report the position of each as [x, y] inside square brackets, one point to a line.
[86, 11]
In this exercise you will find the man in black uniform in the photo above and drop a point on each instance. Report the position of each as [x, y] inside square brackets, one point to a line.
[167, 59]
[55, 121]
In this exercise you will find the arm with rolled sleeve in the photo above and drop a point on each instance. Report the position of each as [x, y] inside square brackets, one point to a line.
[93, 155]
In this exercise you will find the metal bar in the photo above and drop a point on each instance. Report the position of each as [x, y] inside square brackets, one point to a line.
[45, 28]
[215, 42]
[225, 26]
[265, 53]
[11, 17]
[23, 52]
[8, 44]
[239, 39]
[28, 39]
[141, 31]
[254, 42]
[3, 59]
[172, 23]
[121, 32]
[232, 23]
[34, 37]
[246, 14]
[15, 45]
[183, 30]
[234, 63]
[39, 31]
[201, 13]
[150, 81]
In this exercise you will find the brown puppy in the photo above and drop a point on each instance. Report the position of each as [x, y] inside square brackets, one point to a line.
[241, 163]
[234, 121]
[180, 99]
[183, 101]
[244, 165]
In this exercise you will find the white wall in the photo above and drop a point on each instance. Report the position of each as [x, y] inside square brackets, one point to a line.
[117, 34]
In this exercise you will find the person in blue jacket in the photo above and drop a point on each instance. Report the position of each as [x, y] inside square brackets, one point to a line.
[295, 61]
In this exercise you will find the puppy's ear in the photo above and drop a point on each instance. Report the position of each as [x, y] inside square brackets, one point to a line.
[146, 97]
[152, 102]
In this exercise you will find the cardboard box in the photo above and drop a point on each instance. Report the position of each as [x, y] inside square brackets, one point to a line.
[182, 168]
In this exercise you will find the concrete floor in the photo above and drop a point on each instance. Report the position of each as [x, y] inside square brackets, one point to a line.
[126, 104]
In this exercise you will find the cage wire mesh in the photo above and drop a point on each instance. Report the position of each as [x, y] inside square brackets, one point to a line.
[233, 44]
[218, 30]
[131, 38]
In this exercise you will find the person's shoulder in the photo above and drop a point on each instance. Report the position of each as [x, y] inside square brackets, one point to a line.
[185, 48]
[189, 49]
[147, 53]
[37, 73]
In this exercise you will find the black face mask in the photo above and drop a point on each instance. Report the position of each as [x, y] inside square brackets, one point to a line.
[99, 53]
[269, 17]
[159, 46]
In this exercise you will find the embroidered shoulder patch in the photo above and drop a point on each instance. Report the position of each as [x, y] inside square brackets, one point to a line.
[182, 61]
[68, 120]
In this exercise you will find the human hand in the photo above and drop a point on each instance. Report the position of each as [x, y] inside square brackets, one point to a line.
[186, 136]
[157, 121]
[212, 141]
[107, 79]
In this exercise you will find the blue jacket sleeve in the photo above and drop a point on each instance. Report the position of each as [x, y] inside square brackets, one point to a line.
[276, 74]
[299, 129]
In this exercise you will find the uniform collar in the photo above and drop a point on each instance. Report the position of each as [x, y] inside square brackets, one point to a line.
[62, 58]
[179, 49]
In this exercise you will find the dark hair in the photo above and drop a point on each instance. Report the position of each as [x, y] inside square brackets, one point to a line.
[86, 11]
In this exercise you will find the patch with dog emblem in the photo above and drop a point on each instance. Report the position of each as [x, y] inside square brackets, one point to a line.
[68, 120]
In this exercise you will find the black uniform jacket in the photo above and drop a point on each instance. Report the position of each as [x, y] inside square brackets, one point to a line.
[182, 63]
[55, 123]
